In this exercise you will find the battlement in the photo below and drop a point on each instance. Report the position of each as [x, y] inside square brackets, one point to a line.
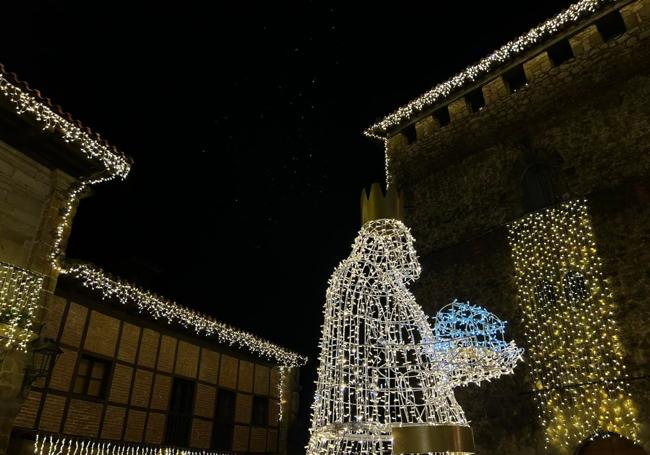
[487, 83]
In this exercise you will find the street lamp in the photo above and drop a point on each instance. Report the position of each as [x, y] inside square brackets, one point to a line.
[45, 351]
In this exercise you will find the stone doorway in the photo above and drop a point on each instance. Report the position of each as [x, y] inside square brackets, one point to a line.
[611, 445]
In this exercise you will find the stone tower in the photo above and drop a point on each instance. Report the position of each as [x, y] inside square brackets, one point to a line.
[527, 178]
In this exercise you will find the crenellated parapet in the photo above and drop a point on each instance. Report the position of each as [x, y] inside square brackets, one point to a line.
[610, 46]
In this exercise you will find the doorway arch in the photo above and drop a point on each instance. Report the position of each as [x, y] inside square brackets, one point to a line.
[610, 444]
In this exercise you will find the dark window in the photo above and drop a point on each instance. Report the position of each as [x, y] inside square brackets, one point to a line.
[515, 78]
[260, 411]
[476, 100]
[560, 52]
[611, 26]
[92, 377]
[545, 294]
[574, 286]
[224, 420]
[410, 134]
[442, 116]
[538, 188]
[179, 417]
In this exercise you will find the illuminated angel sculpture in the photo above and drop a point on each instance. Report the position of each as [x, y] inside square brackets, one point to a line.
[382, 366]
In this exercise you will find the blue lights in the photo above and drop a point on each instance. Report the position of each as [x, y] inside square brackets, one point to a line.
[464, 324]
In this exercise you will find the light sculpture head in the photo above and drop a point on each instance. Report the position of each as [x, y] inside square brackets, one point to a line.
[387, 244]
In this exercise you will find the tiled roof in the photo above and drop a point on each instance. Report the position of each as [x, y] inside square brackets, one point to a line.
[29, 101]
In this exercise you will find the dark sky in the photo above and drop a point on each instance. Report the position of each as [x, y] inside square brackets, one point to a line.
[244, 120]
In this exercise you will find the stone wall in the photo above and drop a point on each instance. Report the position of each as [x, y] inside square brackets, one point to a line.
[588, 120]
[31, 197]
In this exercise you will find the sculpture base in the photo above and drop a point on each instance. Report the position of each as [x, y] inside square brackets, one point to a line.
[432, 439]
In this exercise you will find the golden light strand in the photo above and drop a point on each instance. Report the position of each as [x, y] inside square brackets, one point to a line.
[20, 291]
[568, 315]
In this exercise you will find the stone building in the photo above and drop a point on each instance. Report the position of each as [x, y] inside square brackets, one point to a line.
[135, 371]
[46, 160]
[526, 184]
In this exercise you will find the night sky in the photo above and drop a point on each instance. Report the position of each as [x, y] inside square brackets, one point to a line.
[244, 121]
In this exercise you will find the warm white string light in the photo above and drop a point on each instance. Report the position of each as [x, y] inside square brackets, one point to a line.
[48, 444]
[65, 221]
[281, 384]
[20, 291]
[159, 307]
[568, 315]
[381, 363]
[114, 162]
[117, 165]
[505, 53]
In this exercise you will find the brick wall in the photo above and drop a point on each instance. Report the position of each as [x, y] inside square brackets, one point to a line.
[102, 334]
[114, 418]
[82, 418]
[143, 364]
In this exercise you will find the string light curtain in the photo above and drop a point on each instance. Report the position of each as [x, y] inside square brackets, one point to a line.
[568, 314]
[20, 292]
[47, 444]
[381, 364]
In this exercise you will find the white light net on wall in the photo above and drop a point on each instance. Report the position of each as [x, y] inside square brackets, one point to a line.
[381, 363]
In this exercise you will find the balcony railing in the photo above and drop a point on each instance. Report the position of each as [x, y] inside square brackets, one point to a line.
[20, 293]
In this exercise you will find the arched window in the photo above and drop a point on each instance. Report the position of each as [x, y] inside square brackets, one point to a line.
[538, 189]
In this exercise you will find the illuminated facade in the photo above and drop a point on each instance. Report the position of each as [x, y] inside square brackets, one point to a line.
[575, 349]
[526, 181]
[138, 373]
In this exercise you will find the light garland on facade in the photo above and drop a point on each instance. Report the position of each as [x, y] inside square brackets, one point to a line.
[568, 315]
[65, 222]
[281, 383]
[24, 102]
[117, 166]
[20, 291]
[381, 364]
[57, 445]
[159, 307]
[500, 56]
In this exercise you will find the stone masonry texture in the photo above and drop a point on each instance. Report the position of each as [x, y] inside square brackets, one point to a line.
[588, 121]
